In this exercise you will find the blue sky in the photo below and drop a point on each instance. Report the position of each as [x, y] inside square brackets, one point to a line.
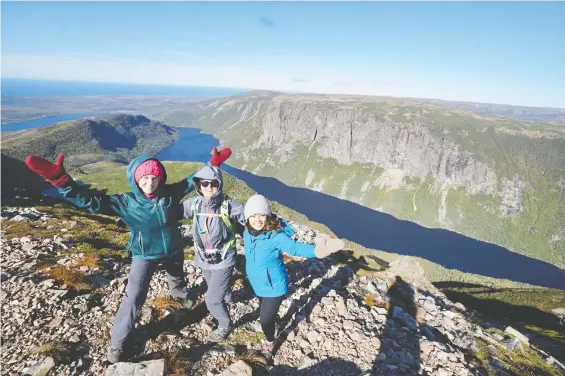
[504, 52]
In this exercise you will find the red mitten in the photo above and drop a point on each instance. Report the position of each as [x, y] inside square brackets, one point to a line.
[219, 157]
[54, 172]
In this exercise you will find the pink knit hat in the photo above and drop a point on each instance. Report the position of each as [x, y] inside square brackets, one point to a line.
[149, 167]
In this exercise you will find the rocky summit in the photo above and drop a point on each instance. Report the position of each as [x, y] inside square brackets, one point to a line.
[341, 317]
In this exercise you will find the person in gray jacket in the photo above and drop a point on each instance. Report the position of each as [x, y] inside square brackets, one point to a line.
[216, 220]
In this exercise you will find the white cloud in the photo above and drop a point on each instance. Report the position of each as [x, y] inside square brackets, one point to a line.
[318, 81]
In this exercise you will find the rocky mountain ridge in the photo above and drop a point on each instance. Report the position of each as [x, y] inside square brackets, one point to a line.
[341, 317]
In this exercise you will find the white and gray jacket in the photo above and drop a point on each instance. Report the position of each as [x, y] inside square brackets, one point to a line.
[210, 232]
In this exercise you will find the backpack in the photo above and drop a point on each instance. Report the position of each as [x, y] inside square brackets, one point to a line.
[213, 258]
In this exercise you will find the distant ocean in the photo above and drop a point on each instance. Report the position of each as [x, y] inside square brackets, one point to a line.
[19, 87]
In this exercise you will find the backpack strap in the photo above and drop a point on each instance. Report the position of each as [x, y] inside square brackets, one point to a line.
[224, 214]
[196, 204]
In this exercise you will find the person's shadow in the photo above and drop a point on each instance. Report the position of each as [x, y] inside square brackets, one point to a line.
[328, 366]
[400, 346]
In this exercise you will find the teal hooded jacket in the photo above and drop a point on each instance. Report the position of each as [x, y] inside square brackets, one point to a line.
[153, 223]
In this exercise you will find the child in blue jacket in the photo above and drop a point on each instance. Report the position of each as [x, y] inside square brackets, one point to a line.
[151, 211]
[265, 239]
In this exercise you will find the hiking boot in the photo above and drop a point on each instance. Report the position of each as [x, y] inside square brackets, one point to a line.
[114, 354]
[268, 349]
[220, 334]
[187, 303]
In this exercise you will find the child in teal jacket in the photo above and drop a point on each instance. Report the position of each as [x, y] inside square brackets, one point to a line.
[151, 211]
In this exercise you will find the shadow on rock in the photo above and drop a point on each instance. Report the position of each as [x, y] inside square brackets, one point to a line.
[400, 346]
[336, 278]
[328, 366]
[170, 325]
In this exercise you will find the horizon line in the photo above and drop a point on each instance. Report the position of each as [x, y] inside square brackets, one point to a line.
[248, 90]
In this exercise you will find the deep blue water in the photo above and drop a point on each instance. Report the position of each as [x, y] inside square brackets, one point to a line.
[191, 146]
[378, 230]
[43, 122]
[17, 87]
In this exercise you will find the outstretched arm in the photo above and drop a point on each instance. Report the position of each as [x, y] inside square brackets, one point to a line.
[322, 248]
[98, 203]
[294, 247]
[184, 187]
[81, 196]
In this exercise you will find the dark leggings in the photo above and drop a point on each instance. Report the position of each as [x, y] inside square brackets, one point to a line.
[268, 310]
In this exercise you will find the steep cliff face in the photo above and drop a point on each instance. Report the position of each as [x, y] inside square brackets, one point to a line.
[492, 178]
[401, 149]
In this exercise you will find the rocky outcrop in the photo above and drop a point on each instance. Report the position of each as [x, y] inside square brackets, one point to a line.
[146, 368]
[340, 317]
[350, 133]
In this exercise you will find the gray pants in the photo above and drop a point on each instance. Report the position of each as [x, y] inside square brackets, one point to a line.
[218, 294]
[138, 285]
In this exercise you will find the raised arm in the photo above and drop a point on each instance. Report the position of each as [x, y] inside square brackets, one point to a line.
[185, 186]
[79, 195]
[181, 188]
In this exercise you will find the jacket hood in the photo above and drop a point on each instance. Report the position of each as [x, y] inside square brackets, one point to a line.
[133, 165]
[209, 172]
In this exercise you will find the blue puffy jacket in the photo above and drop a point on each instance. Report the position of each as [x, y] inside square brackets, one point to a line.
[153, 223]
[264, 263]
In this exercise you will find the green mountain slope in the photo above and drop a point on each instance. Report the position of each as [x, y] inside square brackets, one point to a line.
[117, 138]
[496, 179]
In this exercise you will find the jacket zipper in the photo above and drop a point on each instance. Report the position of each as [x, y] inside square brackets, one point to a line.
[269, 277]
[206, 220]
[141, 244]
[253, 240]
[163, 212]
[158, 204]
[253, 248]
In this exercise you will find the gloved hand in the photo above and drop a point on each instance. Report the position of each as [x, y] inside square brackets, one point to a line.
[219, 157]
[327, 246]
[54, 172]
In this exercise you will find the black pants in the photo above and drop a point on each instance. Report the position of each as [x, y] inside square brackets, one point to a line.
[268, 310]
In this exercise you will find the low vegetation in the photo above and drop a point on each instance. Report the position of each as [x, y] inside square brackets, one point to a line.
[57, 350]
[165, 303]
[521, 362]
[71, 278]
[98, 236]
